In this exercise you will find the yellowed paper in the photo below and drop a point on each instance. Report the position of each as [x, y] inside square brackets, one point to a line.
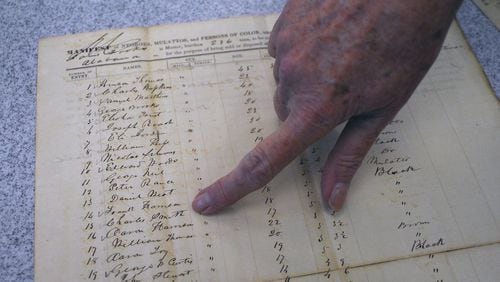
[132, 123]
[471, 264]
[491, 8]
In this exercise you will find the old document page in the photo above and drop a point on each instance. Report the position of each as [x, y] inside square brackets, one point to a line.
[132, 123]
[491, 8]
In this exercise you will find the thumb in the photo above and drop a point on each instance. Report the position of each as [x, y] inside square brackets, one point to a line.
[255, 170]
[348, 154]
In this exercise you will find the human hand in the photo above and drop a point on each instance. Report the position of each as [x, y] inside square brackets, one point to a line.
[357, 61]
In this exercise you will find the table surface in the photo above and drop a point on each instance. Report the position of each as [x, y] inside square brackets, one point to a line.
[23, 23]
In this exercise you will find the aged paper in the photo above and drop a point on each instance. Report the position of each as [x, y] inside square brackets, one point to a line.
[132, 123]
[491, 8]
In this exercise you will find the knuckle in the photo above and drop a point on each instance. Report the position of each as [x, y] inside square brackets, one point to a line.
[257, 166]
[347, 165]
[288, 68]
[282, 37]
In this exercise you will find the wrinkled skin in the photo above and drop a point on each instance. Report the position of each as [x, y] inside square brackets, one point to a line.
[337, 60]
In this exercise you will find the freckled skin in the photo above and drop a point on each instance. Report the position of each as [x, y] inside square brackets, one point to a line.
[337, 60]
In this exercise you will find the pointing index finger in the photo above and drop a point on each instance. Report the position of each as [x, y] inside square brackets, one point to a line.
[255, 170]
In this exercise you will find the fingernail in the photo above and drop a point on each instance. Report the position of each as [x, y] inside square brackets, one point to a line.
[338, 196]
[202, 202]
